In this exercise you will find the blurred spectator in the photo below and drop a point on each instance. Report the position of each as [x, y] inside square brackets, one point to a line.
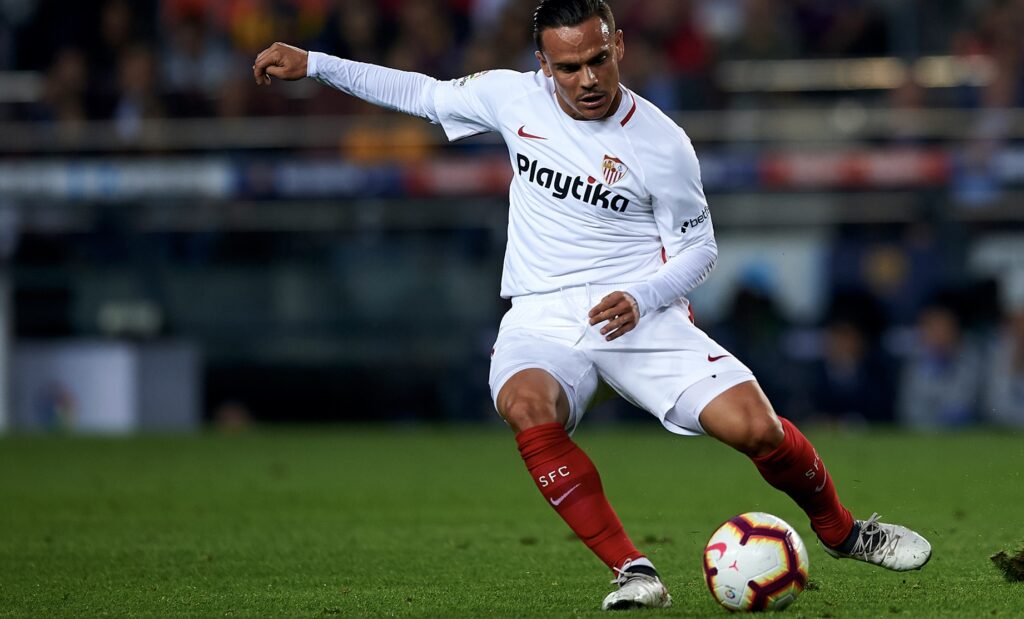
[841, 28]
[753, 329]
[767, 33]
[900, 266]
[137, 97]
[251, 24]
[13, 15]
[997, 36]
[402, 140]
[505, 44]
[64, 103]
[1004, 388]
[906, 126]
[481, 54]
[117, 37]
[486, 13]
[855, 380]
[195, 65]
[940, 382]
[425, 40]
[646, 71]
[356, 29]
[673, 27]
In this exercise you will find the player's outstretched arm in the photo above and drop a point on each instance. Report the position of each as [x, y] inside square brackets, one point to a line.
[402, 91]
[280, 60]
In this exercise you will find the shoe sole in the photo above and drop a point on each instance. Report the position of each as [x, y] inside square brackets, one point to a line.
[625, 605]
[842, 556]
[633, 605]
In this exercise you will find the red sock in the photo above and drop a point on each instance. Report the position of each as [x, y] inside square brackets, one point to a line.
[795, 468]
[570, 483]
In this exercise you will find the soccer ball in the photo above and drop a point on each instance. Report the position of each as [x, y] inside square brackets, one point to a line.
[755, 561]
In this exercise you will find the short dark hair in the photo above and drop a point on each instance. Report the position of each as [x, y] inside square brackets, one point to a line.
[561, 13]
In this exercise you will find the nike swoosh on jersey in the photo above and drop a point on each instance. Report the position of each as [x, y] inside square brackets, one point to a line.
[713, 359]
[558, 501]
[530, 136]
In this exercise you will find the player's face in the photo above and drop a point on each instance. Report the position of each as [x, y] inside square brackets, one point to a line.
[584, 60]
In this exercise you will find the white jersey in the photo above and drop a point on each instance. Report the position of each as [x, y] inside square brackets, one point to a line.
[602, 206]
[591, 202]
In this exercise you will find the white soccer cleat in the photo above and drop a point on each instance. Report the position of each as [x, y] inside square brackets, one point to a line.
[890, 545]
[636, 590]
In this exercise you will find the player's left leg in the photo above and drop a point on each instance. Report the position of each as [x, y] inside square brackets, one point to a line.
[742, 418]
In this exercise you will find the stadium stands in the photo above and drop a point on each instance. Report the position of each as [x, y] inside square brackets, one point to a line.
[863, 160]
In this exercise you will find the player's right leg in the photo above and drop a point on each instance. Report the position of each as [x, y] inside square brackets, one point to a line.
[537, 408]
[742, 418]
[541, 383]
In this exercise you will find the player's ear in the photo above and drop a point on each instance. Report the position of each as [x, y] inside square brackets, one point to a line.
[620, 45]
[543, 63]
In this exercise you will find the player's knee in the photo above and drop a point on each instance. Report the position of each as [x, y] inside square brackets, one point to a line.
[523, 413]
[764, 432]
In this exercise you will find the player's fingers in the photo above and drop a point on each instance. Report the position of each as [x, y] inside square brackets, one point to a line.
[633, 305]
[601, 314]
[610, 306]
[608, 313]
[616, 335]
[267, 63]
[620, 309]
[616, 322]
[259, 68]
[276, 71]
[620, 331]
[607, 302]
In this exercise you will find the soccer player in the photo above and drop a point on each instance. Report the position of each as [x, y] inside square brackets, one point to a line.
[608, 231]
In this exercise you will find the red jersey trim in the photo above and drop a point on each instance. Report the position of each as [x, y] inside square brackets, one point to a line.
[631, 111]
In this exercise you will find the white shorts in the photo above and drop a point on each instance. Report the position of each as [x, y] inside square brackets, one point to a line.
[665, 360]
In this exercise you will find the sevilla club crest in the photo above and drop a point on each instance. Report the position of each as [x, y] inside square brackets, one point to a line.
[613, 169]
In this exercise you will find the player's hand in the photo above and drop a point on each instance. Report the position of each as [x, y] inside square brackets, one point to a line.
[280, 60]
[621, 313]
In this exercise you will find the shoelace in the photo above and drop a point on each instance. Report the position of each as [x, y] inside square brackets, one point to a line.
[624, 574]
[873, 539]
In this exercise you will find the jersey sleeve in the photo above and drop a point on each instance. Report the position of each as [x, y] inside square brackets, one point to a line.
[472, 104]
[684, 223]
[402, 91]
[680, 207]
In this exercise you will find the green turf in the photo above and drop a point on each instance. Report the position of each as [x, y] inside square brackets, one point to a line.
[445, 523]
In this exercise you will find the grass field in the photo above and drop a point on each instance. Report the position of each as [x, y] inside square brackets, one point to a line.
[446, 523]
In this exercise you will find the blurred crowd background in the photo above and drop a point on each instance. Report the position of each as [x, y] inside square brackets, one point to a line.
[186, 58]
[288, 253]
